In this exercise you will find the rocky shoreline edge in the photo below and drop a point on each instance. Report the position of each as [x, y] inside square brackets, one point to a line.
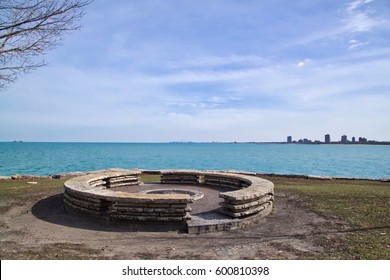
[79, 173]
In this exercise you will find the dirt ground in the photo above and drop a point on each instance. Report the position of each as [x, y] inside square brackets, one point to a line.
[38, 227]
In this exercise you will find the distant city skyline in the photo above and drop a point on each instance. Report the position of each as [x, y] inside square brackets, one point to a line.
[328, 140]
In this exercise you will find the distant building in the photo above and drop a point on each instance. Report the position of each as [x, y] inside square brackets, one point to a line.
[289, 139]
[344, 139]
[327, 139]
[362, 140]
[353, 139]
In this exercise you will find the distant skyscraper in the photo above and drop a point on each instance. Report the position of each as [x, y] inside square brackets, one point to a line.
[353, 139]
[327, 139]
[362, 140]
[289, 139]
[344, 139]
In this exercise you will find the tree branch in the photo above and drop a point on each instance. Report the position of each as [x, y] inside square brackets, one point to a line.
[30, 28]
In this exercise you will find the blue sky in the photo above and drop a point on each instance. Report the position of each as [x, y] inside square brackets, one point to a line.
[221, 70]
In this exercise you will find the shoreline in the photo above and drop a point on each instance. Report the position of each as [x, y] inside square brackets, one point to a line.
[296, 176]
[368, 143]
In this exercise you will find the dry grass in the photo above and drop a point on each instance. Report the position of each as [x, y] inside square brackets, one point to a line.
[364, 204]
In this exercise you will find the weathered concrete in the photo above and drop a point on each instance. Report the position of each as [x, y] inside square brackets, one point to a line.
[248, 198]
[249, 195]
[92, 194]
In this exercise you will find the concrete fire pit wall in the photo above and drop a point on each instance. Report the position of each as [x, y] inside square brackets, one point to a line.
[257, 198]
[93, 195]
[249, 195]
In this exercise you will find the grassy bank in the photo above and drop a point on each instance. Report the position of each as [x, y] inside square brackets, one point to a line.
[15, 188]
[364, 206]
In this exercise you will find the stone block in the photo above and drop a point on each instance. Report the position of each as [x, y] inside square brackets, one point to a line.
[83, 204]
[181, 205]
[123, 204]
[161, 205]
[170, 210]
[171, 219]
[146, 218]
[256, 202]
[245, 213]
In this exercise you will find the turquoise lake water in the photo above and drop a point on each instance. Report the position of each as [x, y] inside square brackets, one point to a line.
[358, 161]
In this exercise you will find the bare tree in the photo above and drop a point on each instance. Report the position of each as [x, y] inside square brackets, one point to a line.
[29, 28]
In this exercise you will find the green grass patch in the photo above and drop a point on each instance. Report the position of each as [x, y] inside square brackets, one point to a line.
[364, 204]
[13, 188]
[150, 178]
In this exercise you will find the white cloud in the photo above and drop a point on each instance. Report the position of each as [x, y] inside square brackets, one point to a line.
[357, 17]
[222, 99]
[216, 61]
[360, 22]
[360, 17]
[353, 44]
[357, 4]
[304, 62]
[143, 108]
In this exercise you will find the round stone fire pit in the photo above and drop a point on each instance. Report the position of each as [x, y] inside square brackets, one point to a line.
[195, 195]
[243, 198]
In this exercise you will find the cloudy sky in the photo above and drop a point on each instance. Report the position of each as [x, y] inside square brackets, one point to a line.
[220, 70]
